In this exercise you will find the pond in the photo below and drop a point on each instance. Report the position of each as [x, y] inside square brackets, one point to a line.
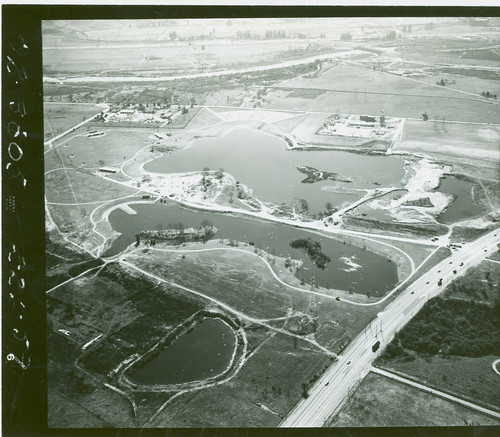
[463, 206]
[203, 352]
[350, 266]
[261, 162]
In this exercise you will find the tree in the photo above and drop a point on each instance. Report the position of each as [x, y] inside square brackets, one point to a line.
[328, 206]
[425, 117]
[219, 174]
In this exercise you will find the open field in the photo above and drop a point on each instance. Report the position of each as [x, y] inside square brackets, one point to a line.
[362, 91]
[59, 117]
[71, 186]
[463, 83]
[270, 380]
[361, 80]
[393, 105]
[465, 377]
[171, 57]
[110, 149]
[443, 139]
[380, 401]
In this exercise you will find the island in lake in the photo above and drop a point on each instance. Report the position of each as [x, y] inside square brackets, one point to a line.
[315, 175]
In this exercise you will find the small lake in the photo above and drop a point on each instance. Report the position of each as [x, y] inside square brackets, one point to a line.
[463, 207]
[261, 162]
[203, 352]
[350, 266]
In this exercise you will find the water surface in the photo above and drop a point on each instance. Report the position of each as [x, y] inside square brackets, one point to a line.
[203, 352]
[350, 266]
[261, 162]
[463, 206]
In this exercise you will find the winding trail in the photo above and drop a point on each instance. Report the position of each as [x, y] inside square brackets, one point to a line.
[227, 307]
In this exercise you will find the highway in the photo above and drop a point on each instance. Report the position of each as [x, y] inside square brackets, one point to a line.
[342, 377]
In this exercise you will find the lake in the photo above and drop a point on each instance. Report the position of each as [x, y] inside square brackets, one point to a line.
[350, 266]
[203, 352]
[261, 162]
[463, 206]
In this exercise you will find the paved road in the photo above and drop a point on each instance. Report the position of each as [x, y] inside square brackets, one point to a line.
[341, 377]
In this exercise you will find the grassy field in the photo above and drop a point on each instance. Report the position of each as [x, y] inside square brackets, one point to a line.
[469, 140]
[74, 187]
[110, 149]
[59, 117]
[380, 401]
[272, 377]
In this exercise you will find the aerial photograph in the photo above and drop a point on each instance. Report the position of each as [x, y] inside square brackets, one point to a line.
[272, 222]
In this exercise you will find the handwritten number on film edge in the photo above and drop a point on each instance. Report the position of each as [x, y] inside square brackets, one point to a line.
[17, 183]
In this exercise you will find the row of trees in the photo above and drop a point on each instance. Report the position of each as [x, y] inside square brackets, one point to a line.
[488, 95]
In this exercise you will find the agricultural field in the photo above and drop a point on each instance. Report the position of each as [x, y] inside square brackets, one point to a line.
[380, 401]
[355, 90]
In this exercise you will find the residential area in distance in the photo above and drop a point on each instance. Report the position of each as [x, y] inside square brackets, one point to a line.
[272, 222]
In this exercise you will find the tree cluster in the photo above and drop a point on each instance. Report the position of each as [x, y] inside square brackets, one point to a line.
[451, 326]
[243, 34]
[488, 95]
[313, 251]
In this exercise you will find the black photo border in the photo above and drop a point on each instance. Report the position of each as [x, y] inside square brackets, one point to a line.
[24, 375]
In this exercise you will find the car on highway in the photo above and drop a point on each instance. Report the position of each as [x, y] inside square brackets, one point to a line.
[349, 362]
[327, 382]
